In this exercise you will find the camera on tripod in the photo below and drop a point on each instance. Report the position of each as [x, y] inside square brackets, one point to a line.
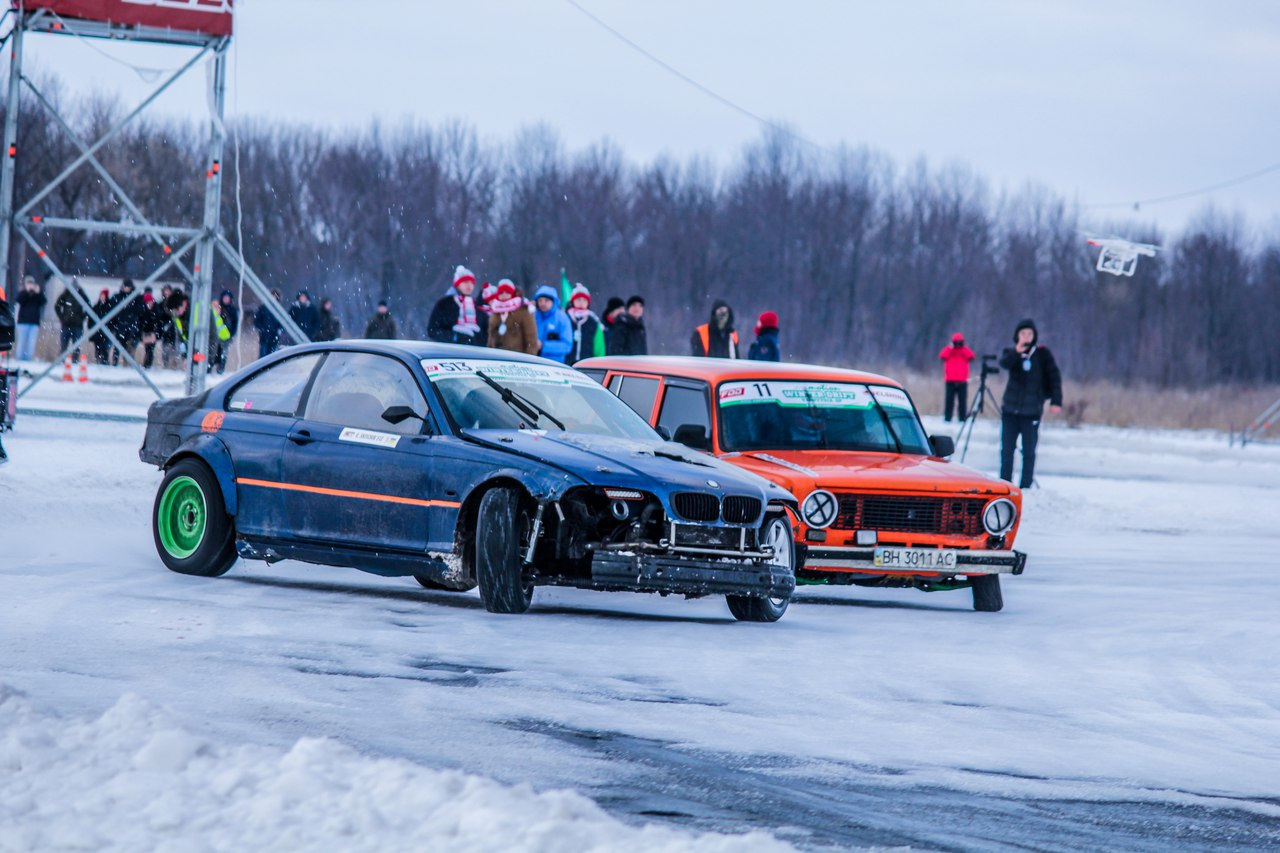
[990, 367]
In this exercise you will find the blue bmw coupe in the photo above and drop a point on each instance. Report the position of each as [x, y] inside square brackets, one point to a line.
[460, 466]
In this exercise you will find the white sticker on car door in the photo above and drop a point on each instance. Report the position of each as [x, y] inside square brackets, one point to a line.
[366, 436]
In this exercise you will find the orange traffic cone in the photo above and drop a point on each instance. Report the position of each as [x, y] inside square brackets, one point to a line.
[84, 367]
[66, 370]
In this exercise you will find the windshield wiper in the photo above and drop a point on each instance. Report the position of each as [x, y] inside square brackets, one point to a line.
[820, 421]
[884, 416]
[524, 406]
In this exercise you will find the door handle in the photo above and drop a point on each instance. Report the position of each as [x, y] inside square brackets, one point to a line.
[300, 436]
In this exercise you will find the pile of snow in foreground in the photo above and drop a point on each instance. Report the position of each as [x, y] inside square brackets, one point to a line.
[132, 780]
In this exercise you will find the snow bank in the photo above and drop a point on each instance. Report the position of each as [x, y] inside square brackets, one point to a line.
[133, 780]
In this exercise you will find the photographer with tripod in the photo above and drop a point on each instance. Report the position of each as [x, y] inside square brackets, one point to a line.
[1033, 378]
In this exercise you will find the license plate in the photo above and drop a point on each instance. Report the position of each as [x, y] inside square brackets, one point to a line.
[924, 559]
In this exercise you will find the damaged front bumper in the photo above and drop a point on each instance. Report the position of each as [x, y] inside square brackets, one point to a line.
[863, 561]
[684, 571]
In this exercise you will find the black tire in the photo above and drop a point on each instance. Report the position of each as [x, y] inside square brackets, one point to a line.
[196, 536]
[747, 608]
[503, 523]
[986, 593]
[429, 582]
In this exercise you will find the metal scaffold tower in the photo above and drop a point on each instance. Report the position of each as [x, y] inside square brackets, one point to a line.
[1260, 425]
[205, 26]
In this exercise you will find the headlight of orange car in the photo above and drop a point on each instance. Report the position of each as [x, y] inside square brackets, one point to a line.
[999, 516]
[820, 509]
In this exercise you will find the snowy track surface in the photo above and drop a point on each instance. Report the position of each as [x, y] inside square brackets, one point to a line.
[1125, 698]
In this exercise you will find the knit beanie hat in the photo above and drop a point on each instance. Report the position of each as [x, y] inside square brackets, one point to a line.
[579, 289]
[768, 320]
[506, 289]
[489, 293]
[462, 274]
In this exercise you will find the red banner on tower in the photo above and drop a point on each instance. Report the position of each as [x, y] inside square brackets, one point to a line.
[210, 17]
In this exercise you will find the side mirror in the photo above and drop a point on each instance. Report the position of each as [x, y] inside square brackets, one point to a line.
[692, 435]
[396, 414]
[664, 432]
[942, 445]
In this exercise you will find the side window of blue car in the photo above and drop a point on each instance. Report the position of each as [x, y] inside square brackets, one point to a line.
[353, 389]
[276, 390]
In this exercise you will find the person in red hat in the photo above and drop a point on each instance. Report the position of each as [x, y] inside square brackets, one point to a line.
[588, 331]
[455, 318]
[955, 371]
[765, 347]
[511, 323]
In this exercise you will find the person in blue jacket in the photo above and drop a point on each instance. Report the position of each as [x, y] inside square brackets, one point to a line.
[554, 329]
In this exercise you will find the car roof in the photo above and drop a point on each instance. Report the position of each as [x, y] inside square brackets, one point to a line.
[722, 369]
[425, 349]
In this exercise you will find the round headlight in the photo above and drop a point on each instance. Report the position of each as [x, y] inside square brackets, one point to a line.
[999, 516]
[820, 509]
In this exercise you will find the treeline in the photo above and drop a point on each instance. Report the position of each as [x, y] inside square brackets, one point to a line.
[866, 262]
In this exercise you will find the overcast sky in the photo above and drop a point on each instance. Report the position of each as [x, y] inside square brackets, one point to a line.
[1102, 101]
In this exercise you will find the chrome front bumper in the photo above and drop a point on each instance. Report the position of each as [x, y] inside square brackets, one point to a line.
[862, 559]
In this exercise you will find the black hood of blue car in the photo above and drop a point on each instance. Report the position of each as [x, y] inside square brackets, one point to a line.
[658, 467]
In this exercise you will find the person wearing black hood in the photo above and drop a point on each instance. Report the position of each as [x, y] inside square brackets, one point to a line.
[628, 336]
[612, 310]
[306, 315]
[1033, 378]
[716, 338]
[330, 326]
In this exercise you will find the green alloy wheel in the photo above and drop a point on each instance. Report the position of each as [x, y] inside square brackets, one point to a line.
[182, 518]
[193, 533]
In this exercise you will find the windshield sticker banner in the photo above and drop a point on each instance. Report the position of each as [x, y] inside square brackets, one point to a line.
[893, 397]
[505, 370]
[826, 395]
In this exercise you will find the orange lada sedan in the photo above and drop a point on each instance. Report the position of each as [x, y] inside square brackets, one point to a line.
[881, 504]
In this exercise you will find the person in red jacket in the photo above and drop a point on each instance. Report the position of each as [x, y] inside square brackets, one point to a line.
[955, 361]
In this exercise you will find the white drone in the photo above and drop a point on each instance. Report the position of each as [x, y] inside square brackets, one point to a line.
[1119, 256]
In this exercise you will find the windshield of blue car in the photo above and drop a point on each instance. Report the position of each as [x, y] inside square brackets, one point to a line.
[570, 397]
[772, 415]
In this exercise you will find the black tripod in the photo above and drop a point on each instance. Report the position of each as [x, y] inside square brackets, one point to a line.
[989, 368]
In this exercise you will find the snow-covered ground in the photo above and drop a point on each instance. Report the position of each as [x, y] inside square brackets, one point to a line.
[1125, 697]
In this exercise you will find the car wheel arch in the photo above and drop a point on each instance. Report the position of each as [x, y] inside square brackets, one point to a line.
[215, 455]
[469, 513]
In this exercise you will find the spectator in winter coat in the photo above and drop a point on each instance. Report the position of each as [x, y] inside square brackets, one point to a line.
[511, 323]
[1033, 378]
[71, 313]
[164, 329]
[101, 343]
[381, 326]
[554, 329]
[488, 293]
[955, 372]
[184, 317]
[154, 326]
[454, 318]
[268, 326]
[588, 331]
[230, 314]
[612, 309]
[306, 315]
[330, 327]
[30, 301]
[126, 323]
[717, 337]
[765, 347]
[628, 336]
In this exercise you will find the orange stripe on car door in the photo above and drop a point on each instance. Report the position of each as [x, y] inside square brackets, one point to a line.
[342, 493]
